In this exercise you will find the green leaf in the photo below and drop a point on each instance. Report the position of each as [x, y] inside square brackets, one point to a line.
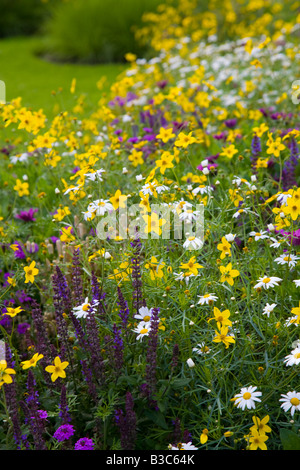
[289, 439]
[158, 418]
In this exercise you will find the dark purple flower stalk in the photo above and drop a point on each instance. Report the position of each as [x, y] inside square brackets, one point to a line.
[127, 424]
[288, 172]
[88, 377]
[32, 413]
[76, 279]
[136, 275]
[118, 348]
[97, 295]
[149, 387]
[255, 151]
[63, 406]
[174, 362]
[124, 310]
[66, 297]
[43, 345]
[62, 328]
[12, 401]
[177, 435]
[94, 347]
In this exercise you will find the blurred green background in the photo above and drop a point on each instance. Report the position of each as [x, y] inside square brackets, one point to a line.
[45, 44]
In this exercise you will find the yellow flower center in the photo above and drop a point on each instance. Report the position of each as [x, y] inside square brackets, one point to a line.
[267, 280]
[143, 331]
[297, 355]
[295, 401]
[85, 307]
[191, 238]
[286, 258]
[247, 396]
[147, 318]
[206, 296]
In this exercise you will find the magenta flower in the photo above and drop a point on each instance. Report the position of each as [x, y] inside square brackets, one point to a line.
[27, 216]
[84, 444]
[64, 432]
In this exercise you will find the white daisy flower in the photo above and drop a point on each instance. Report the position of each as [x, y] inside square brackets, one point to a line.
[202, 190]
[268, 309]
[94, 175]
[247, 397]
[230, 237]
[83, 310]
[189, 215]
[201, 349]
[144, 314]
[267, 282]
[183, 446]
[276, 243]
[297, 282]
[143, 329]
[237, 214]
[193, 243]
[291, 401]
[207, 299]
[259, 235]
[103, 206]
[291, 260]
[293, 358]
[183, 277]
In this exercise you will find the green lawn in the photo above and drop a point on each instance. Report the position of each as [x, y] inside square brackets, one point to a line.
[34, 79]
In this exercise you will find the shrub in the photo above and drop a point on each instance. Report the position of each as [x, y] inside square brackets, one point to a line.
[96, 31]
[19, 17]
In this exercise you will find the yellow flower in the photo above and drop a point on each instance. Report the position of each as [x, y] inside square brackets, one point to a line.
[136, 158]
[12, 312]
[57, 369]
[229, 151]
[204, 436]
[30, 272]
[121, 273]
[66, 235]
[118, 200]
[192, 266]
[228, 274]
[165, 134]
[275, 146]
[223, 337]
[165, 162]
[153, 223]
[225, 247]
[32, 362]
[73, 86]
[222, 318]
[21, 188]
[61, 213]
[292, 208]
[260, 425]
[257, 441]
[5, 373]
[155, 267]
[144, 203]
[184, 140]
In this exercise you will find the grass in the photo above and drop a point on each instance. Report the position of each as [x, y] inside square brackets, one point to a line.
[34, 79]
